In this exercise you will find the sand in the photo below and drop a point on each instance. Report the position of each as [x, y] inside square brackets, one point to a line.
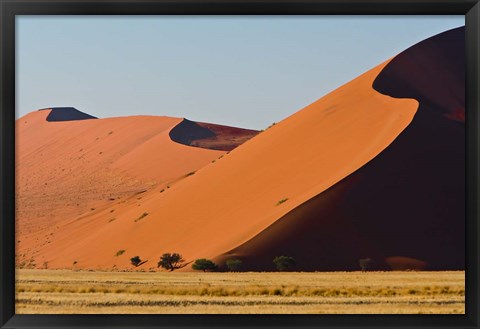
[370, 170]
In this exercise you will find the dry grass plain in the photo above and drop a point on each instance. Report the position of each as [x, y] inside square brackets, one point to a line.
[83, 292]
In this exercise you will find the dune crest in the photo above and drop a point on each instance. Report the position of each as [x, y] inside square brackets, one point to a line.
[210, 136]
[432, 72]
[66, 114]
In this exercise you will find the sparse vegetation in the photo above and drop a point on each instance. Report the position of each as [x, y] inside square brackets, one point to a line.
[282, 201]
[190, 173]
[233, 264]
[204, 265]
[283, 263]
[112, 219]
[145, 214]
[135, 261]
[120, 252]
[171, 261]
[162, 190]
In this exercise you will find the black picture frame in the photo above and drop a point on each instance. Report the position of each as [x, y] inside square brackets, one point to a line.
[10, 8]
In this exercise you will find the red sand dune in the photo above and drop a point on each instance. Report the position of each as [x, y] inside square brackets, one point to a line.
[68, 166]
[406, 207]
[210, 136]
[349, 176]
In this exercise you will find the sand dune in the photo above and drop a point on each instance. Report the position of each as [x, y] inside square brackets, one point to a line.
[406, 207]
[76, 167]
[349, 176]
[230, 201]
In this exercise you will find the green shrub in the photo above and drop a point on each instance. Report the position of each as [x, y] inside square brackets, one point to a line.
[365, 264]
[282, 201]
[135, 261]
[145, 214]
[283, 263]
[234, 264]
[171, 262]
[204, 265]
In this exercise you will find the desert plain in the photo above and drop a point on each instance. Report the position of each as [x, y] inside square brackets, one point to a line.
[83, 292]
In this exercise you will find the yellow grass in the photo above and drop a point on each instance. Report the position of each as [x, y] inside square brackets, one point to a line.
[64, 291]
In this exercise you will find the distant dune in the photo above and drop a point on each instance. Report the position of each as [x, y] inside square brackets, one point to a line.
[363, 172]
[70, 167]
[210, 136]
[66, 114]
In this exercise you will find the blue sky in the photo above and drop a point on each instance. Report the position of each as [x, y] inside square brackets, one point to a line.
[242, 71]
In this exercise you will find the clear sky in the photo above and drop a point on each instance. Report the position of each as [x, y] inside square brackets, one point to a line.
[242, 71]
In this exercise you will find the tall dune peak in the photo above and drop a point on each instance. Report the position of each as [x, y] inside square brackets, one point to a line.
[405, 208]
[66, 114]
[431, 71]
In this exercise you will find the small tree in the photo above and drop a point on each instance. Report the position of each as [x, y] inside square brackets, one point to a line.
[365, 264]
[135, 261]
[234, 264]
[283, 263]
[171, 262]
[204, 265]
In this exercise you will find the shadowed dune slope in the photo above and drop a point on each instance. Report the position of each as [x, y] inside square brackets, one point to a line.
[66, 114]
[433, 72]
[210, 136]
[188, 131]
[406, 207]
[235, 198]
